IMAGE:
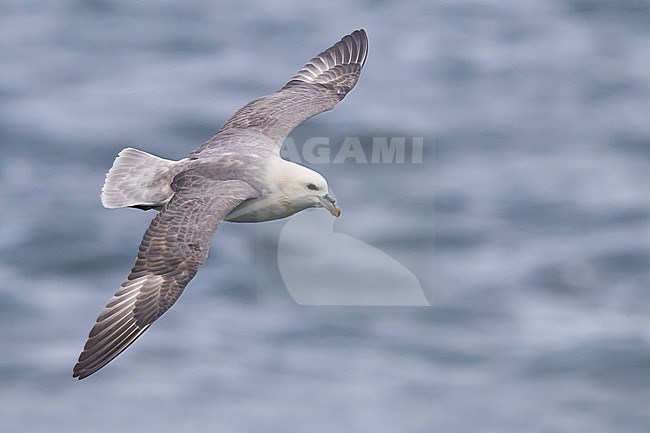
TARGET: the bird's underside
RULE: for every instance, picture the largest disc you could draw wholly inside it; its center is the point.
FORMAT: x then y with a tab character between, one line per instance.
195	194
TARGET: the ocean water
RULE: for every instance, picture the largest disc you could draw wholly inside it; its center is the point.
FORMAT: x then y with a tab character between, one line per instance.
526	223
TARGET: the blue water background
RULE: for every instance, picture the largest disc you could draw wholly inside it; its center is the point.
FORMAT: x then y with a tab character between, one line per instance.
527	222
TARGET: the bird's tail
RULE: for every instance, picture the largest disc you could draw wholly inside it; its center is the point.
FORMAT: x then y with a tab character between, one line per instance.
138	179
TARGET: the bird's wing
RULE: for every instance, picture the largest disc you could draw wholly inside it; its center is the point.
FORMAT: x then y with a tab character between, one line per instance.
173	248
317	87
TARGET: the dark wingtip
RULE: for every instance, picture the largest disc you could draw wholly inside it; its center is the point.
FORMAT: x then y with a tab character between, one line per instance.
362	37
79	373
352	49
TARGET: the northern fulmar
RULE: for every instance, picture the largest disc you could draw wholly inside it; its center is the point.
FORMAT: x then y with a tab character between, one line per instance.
237	175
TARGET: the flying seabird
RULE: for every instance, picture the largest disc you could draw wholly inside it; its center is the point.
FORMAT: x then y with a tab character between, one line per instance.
237	175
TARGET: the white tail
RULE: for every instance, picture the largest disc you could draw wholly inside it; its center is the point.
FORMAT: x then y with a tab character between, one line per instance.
138	179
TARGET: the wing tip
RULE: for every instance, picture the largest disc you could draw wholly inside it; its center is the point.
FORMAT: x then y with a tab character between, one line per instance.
80	374
352	49
361	37
90	363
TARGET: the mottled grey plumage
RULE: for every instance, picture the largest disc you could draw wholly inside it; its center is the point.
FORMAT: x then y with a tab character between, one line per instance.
317	87
237	175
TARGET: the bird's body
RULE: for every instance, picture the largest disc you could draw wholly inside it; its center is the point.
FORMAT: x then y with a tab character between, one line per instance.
238	175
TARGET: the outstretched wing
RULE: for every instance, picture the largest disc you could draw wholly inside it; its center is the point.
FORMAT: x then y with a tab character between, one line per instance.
317	87
172	250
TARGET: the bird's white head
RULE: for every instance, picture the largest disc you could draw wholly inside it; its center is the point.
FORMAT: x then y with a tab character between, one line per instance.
303	188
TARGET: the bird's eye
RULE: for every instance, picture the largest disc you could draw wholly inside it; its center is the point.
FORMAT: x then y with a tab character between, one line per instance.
312	187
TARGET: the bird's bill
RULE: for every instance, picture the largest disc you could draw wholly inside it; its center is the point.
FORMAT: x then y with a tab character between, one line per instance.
330	204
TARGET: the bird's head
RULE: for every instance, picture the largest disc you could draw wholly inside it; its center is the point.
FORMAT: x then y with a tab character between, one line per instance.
307	188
